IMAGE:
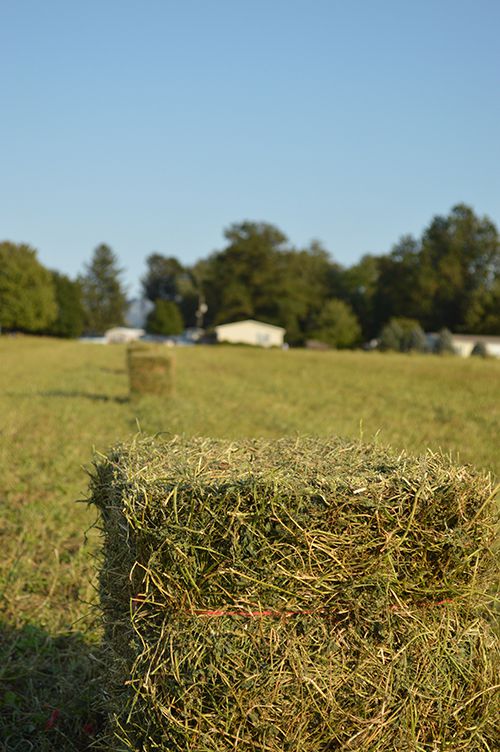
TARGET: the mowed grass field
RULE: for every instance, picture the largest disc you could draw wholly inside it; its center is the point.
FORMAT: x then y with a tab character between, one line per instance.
60	401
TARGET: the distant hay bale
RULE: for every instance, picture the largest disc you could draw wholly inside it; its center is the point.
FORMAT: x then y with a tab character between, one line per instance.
297	595
151	371
138	346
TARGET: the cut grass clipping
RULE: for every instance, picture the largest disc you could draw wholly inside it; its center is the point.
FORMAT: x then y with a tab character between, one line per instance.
151	371
296	595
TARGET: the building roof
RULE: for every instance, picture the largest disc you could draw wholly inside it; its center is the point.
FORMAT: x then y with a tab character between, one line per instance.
124	330
486	338
251	321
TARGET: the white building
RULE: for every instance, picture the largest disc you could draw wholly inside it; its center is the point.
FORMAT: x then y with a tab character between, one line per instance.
120	335
464	344
251	332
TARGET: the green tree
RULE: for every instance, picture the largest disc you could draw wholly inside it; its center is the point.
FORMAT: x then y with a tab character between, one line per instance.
167	279
416	341
240	281
462	253
69	321
444	343
479	350
258	275
307	279
358	286
483	313
391	336
445	279
27	298
403	335
337	325
162	279
165	319
103	294
400	284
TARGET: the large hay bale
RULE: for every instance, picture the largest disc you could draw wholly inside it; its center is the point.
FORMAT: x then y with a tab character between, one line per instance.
296	595
151	371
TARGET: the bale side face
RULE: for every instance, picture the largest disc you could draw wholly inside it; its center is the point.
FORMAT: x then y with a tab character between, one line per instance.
150	372
296	596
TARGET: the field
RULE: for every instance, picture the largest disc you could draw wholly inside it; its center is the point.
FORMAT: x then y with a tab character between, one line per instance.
61	400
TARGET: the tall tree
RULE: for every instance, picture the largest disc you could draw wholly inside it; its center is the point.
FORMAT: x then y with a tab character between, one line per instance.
399	291
167	279
306	280
240	281
165	318
258	275
27	299
162	279
483	313
337	325
69	321
462	253
358	287
103	294
445	279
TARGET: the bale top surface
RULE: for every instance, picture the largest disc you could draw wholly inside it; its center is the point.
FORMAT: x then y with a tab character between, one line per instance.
302	519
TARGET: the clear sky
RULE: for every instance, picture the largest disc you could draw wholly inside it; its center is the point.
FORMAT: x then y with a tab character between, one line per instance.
153	124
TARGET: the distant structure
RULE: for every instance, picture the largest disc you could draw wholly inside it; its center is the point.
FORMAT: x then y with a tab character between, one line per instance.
316	344
137	313
251	332
120	335
465	343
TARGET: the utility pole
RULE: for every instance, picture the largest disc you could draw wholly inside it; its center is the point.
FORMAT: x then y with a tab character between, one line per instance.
202	309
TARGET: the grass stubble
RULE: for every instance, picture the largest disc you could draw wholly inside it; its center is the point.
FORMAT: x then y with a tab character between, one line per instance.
61	400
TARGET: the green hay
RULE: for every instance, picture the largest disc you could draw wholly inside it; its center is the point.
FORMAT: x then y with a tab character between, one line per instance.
139	347
151	371
296	595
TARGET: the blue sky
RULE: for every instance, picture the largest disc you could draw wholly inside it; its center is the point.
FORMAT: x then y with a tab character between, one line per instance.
151	124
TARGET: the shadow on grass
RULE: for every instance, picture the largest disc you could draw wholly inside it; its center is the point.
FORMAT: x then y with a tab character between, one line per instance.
116	371
84	395
72	394
49	689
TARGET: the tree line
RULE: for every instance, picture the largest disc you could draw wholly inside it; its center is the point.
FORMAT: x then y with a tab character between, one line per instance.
449	278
